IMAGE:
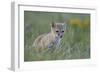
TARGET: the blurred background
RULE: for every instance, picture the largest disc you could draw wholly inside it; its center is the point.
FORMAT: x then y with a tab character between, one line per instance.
75	43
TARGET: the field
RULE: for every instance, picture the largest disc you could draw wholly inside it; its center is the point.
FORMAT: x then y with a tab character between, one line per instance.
74	45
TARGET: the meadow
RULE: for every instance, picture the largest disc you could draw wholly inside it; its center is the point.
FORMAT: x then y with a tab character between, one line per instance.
74	45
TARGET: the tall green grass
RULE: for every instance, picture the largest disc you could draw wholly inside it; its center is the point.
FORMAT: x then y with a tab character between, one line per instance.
74	45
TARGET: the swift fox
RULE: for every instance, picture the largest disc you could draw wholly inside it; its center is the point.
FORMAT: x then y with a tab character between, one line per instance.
53	38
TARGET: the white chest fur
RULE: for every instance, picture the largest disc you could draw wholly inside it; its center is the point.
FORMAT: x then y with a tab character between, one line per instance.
57	41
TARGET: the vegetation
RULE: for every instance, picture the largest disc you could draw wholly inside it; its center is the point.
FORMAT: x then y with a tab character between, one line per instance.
74	45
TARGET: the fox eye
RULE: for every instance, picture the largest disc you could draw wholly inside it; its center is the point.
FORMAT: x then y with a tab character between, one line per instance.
57	31
62	31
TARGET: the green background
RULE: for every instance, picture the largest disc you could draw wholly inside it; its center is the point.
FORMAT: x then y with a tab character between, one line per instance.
75	43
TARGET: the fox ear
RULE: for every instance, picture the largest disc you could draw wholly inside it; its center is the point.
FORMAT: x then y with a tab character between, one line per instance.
53	24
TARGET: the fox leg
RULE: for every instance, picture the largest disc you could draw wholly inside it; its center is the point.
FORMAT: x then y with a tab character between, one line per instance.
58	43
50	45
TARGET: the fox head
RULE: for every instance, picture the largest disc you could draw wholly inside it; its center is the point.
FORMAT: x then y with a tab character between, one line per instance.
58	29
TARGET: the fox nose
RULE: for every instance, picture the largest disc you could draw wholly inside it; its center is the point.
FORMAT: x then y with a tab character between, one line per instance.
61	36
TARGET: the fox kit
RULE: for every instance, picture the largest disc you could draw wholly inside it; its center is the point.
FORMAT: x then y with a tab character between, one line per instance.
52	38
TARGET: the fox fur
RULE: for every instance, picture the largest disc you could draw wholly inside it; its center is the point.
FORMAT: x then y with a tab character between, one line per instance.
53	38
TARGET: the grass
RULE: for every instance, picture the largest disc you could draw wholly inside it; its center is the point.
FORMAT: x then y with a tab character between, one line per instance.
74	45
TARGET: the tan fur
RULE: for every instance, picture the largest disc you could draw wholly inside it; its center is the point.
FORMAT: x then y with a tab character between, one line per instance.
44	40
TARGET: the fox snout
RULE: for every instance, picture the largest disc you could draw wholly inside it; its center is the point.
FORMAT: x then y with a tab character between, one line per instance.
60	33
